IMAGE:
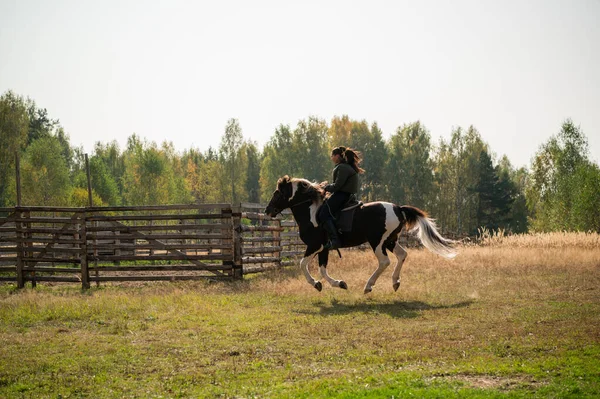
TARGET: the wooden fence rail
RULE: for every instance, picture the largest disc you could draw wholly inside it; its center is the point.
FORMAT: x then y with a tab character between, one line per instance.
172	242
267	243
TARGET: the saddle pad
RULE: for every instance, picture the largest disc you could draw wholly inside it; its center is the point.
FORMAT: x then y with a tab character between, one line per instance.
344	222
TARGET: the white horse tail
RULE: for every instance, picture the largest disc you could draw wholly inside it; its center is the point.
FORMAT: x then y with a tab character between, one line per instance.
417	219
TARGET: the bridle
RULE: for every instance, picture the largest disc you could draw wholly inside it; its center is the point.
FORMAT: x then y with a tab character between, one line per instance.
278	211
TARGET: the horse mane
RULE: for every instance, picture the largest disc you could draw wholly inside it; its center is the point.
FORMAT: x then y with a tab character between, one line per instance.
313	190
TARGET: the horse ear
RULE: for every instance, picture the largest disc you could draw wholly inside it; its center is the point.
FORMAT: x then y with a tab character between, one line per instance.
285	188
284	179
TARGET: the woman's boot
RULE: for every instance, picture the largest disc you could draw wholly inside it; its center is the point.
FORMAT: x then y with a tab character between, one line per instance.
334	239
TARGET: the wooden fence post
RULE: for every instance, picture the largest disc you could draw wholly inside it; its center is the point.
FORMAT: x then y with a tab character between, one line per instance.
277	242
85	275
97	271
29	244
228	218
18	177
89	181
19	225
236	219
20	255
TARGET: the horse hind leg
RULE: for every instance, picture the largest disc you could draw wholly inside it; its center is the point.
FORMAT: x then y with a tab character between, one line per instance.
384	262
333	282
401	256
323	260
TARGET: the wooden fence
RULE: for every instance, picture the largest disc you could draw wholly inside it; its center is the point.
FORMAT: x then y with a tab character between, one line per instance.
267	243
175	242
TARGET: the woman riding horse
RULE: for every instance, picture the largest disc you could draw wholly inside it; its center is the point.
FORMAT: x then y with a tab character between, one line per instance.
377	223
345	184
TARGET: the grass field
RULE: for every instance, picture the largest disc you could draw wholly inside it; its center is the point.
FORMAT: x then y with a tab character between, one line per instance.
513	318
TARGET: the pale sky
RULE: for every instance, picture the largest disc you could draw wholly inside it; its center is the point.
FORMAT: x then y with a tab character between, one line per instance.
178	70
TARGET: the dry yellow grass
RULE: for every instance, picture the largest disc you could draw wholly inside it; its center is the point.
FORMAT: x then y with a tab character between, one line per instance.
500	266
562	239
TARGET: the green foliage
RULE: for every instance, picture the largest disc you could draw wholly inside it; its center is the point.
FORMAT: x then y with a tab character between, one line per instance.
564	193
375	158
301	153
176	171
458	181
495	194
45	177
456	172
409	167
103	183
14	122
252	185
80	198
310	148
586	201
149	177
516	182
204	177
26	127
113	160
40	124
278	160
231	142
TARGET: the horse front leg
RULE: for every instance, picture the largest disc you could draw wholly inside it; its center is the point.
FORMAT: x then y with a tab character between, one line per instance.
323	259
333	282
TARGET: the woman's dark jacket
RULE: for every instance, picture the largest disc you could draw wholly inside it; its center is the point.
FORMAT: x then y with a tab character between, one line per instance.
345	179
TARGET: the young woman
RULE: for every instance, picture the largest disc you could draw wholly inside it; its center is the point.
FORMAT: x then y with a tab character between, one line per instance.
345	184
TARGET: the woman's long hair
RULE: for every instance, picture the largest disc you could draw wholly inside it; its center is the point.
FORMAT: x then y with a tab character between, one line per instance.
350	156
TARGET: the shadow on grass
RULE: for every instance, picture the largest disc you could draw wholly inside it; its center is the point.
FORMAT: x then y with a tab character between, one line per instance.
396	309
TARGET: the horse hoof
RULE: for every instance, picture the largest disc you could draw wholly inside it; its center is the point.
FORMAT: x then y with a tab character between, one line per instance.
368	290
318	286
343	285
396	286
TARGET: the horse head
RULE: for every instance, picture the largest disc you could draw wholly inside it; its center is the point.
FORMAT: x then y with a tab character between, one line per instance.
291	192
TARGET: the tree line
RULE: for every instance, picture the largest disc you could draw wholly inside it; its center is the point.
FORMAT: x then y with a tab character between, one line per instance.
458	181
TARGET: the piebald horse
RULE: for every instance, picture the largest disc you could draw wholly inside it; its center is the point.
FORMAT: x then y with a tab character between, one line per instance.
378	223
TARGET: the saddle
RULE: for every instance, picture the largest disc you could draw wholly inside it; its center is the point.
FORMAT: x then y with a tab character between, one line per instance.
343	219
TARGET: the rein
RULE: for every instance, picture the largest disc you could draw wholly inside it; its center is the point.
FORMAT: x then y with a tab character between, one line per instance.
300	203
278	211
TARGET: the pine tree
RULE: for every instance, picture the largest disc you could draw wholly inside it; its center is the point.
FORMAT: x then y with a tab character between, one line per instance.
495	195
